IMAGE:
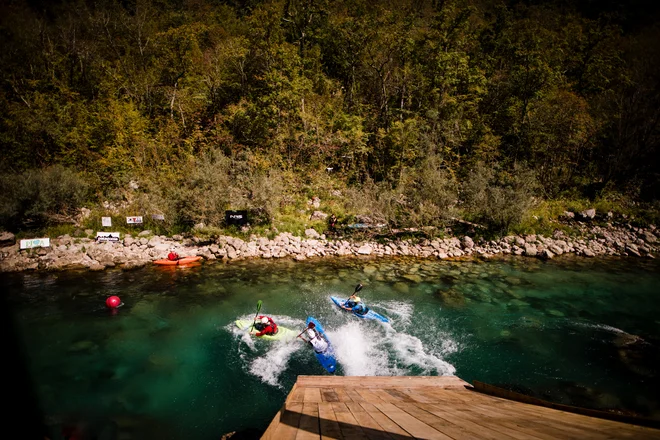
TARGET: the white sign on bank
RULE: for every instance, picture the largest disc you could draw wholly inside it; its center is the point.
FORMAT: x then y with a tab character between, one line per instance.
107	236
134	220
35	243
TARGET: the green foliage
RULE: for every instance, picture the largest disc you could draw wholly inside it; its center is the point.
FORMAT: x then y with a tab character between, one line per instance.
498	198
215	105
40	197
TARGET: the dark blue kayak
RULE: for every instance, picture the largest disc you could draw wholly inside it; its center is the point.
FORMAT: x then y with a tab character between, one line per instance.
327	358
369	315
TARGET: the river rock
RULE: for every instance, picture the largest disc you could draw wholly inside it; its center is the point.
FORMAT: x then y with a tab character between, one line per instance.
546	254
588	214
467	242
311	233
365	250
318	215
530	250
145	233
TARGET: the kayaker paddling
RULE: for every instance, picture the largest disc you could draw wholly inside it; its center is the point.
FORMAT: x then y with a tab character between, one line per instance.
265	325
315	339
354	302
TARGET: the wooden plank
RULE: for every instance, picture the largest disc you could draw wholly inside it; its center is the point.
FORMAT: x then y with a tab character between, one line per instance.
272	427
350	428
369	396
312	395
385	396
389	425
296	394
480	418
329	395
571	422
399	394
342	395
518	397
582	425
369	425
478	430
455	431
287	427
308	428
415	427
462	415
328	422
354	395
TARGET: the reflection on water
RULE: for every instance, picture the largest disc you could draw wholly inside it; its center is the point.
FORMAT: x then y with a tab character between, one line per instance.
171	364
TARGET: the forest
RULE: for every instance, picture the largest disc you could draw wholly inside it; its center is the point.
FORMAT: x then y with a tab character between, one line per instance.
411	113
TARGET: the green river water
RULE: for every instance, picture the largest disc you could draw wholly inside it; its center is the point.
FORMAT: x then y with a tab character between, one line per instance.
171	365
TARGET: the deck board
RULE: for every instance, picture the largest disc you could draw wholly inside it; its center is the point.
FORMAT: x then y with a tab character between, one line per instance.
438	407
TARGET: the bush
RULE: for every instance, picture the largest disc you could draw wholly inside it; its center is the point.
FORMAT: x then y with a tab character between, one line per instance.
498	198
38	198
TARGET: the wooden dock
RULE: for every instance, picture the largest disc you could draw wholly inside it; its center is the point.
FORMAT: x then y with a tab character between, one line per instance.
425	407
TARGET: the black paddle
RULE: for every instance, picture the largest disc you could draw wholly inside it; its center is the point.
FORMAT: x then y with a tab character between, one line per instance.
255	316
357	289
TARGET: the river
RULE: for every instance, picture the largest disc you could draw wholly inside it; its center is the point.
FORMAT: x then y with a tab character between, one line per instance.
170	364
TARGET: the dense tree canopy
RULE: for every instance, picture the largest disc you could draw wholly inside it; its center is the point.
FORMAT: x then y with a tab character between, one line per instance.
379	91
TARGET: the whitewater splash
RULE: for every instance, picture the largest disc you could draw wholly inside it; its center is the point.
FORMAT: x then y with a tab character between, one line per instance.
378	349
362	348
270	365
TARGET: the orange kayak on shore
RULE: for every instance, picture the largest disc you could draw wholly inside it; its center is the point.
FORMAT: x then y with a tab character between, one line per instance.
180	262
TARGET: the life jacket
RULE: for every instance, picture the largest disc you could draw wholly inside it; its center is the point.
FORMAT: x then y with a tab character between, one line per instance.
263	326
172	256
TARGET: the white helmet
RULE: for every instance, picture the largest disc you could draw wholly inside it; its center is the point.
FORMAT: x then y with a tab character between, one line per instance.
264	320
311	333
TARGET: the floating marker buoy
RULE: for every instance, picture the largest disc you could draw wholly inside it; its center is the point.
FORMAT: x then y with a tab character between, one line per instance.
113	302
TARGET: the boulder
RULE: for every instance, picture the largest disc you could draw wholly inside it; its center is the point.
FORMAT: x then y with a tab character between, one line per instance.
588	214
318	215
530	250
311	233
365	250
467	242
546	254
7	239
145	233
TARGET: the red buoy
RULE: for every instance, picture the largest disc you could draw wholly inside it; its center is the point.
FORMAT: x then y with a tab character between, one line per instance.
113	302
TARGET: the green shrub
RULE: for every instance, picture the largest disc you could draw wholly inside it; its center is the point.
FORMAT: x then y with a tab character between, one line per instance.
37	198
499	198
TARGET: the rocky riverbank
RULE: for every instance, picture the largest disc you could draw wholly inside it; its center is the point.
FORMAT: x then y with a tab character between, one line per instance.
130	252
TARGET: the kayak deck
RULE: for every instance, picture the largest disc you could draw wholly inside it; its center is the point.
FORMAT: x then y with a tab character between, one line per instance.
180	262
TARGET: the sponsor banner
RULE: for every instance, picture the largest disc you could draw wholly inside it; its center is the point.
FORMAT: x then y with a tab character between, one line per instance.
236	217
35	243
106	222
134	220
107	236
158	217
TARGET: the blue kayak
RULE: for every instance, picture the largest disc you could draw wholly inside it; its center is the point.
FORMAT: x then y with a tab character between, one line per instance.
369	315
327	358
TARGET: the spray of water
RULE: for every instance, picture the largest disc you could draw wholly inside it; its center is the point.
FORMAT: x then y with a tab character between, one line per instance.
272	357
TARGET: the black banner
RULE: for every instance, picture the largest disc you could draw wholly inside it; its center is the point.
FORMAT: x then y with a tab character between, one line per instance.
238	218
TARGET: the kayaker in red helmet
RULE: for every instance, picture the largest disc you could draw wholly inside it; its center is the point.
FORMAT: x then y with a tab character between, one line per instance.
265	325
173	256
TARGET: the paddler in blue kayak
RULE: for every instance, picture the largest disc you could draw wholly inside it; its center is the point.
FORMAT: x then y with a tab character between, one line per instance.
265	325
354	303
316	340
